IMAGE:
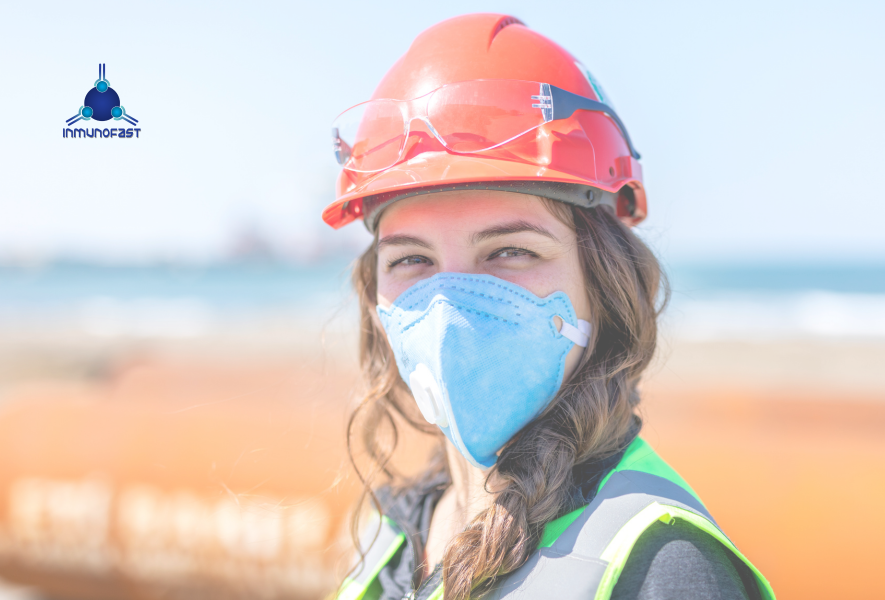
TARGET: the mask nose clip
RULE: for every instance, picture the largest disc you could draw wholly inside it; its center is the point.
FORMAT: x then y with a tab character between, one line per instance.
428	396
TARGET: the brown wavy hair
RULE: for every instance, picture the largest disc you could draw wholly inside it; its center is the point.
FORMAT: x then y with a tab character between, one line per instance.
593	417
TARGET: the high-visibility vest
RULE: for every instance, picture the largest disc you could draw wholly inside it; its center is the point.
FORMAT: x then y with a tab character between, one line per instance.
581	554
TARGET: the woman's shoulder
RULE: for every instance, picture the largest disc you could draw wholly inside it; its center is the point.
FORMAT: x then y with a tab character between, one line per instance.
680	561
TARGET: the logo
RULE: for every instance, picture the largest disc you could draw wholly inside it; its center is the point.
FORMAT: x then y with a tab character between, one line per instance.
102	103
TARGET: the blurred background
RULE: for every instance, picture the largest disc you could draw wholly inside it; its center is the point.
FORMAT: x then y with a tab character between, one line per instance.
178	338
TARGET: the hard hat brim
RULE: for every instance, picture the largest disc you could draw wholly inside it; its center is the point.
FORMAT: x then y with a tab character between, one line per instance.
445	171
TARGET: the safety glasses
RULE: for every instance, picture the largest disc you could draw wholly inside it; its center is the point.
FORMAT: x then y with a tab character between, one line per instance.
466	117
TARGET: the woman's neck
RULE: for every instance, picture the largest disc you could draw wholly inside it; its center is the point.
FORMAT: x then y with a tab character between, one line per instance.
461	502
468	486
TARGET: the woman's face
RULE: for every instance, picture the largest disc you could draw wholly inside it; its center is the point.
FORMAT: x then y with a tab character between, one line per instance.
510	236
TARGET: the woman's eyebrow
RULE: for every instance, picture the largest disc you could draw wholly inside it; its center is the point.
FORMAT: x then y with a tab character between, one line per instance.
403	240
508	228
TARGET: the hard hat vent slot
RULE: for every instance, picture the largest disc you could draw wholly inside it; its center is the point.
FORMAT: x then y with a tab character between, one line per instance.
626	202
501	24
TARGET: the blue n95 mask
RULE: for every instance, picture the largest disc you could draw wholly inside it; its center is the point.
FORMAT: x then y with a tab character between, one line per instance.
482	356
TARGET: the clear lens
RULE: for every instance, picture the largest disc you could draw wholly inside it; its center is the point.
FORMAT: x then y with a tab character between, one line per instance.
478	115
370	136
471	116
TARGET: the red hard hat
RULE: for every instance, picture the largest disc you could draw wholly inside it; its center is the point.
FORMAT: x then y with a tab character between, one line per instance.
583	160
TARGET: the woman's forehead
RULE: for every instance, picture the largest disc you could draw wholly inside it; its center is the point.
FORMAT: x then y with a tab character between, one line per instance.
462	211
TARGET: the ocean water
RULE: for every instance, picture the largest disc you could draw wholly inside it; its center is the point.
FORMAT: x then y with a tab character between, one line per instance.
732	301
169	300
753	301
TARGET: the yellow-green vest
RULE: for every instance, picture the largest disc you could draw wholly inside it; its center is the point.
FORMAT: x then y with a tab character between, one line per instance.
581	554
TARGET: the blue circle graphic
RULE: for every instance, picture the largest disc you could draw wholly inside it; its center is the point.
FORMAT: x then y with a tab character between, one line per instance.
86	112
116	112
102	86
102	104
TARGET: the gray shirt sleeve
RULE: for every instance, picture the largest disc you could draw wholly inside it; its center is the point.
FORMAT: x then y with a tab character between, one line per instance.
681	562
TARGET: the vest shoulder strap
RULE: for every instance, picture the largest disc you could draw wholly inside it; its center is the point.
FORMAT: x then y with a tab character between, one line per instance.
380	540
586	560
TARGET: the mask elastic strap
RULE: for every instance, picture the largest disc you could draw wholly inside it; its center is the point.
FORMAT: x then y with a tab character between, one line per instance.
580	335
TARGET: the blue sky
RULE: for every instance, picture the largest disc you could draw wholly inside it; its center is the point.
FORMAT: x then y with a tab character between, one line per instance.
760	123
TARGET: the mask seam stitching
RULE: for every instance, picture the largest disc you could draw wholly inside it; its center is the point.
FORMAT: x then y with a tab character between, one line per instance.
473	279
540	303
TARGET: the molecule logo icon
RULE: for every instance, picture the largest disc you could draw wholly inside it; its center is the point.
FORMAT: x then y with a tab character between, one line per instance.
102	103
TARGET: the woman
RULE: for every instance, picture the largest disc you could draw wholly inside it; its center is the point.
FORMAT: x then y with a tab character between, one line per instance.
508	309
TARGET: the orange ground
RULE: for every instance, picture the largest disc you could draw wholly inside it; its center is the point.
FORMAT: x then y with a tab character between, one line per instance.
795	481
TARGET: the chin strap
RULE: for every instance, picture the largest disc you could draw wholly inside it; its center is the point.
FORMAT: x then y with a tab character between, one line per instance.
580	335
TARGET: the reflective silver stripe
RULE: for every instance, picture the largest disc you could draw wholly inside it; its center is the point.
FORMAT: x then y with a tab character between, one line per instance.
572	567
624	495
376	548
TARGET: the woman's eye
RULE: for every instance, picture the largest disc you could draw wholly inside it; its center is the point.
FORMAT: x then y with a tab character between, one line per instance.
512	253
408	261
